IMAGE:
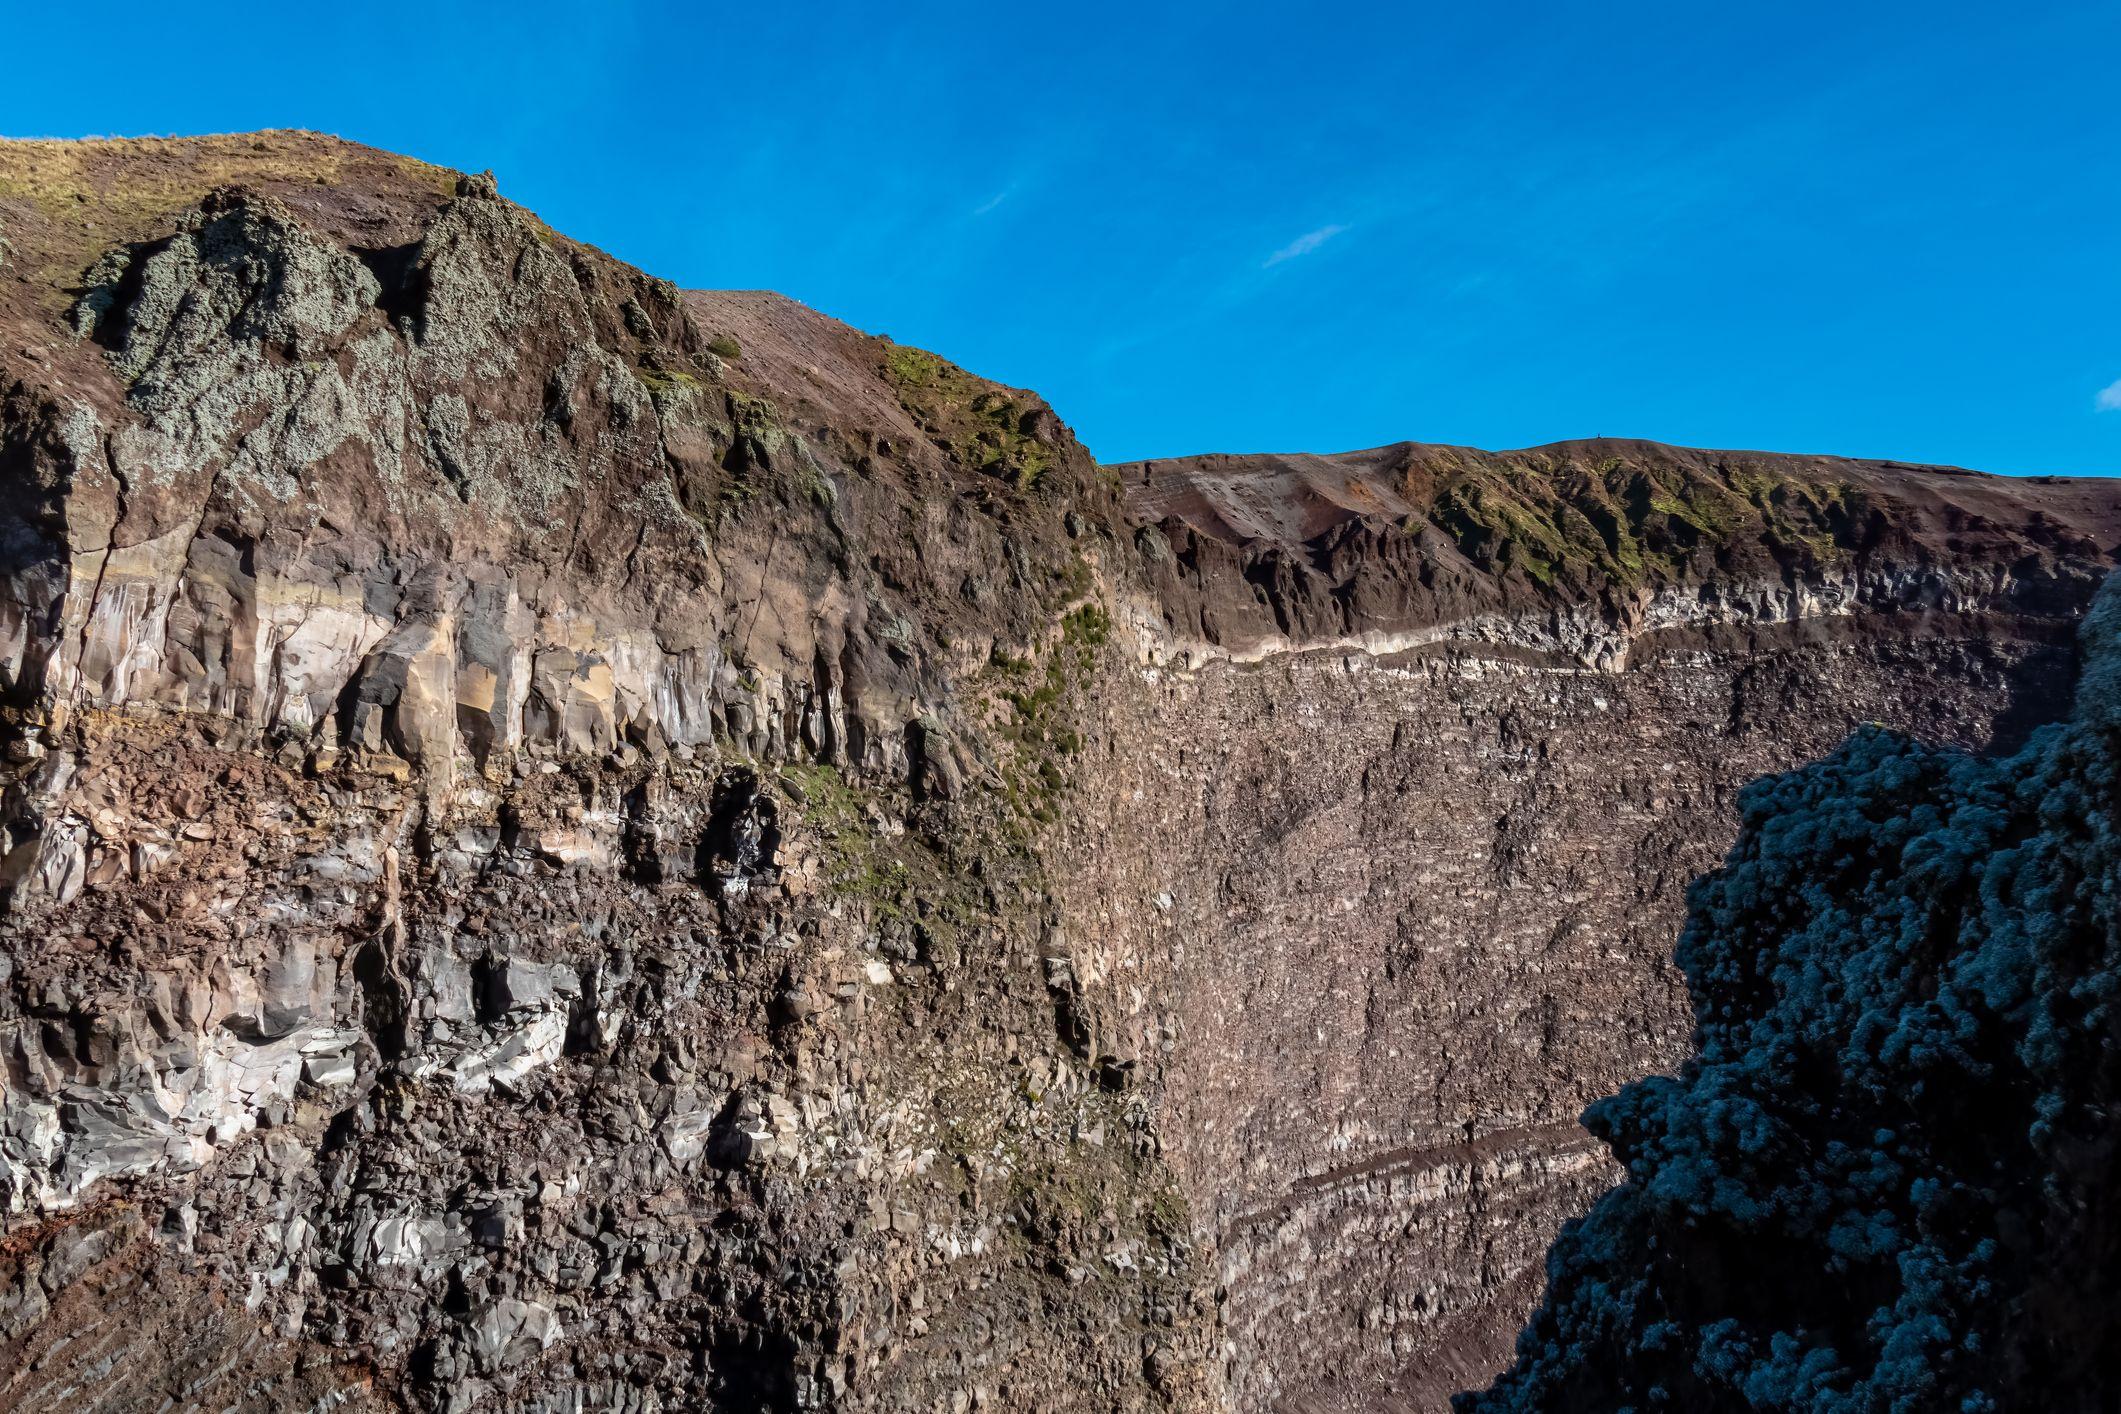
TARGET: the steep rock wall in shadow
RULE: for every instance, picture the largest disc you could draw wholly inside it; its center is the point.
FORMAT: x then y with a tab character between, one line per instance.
1882	1179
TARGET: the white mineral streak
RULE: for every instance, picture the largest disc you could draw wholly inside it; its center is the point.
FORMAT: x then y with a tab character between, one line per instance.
1591	638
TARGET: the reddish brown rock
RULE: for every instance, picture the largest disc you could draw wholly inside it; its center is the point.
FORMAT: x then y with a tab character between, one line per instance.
571	845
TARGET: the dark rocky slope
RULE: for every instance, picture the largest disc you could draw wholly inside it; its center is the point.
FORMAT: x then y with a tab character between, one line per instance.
1883	1181
572	845
1604	543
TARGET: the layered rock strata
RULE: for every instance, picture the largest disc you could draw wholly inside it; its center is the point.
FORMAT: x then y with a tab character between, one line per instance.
1879	1182
574	845
1414	892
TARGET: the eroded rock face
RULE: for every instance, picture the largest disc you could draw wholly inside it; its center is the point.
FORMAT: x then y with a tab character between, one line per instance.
1879	1182
1389	926
493	900
1420	903
574	846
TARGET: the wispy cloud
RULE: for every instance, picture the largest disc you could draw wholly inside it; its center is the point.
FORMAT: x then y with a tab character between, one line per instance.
1303	245
2109	398
993	201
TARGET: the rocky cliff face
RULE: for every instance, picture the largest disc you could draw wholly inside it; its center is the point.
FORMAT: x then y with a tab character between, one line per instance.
572	845
1881	1181
1425	878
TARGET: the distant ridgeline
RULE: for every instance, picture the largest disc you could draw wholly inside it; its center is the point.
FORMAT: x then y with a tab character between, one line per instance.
1887	1181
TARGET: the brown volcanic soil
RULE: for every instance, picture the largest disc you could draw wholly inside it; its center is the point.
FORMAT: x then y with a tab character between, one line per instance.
1294	500
63	203
805	360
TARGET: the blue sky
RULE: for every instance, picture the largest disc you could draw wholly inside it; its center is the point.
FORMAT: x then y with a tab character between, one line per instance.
1883	230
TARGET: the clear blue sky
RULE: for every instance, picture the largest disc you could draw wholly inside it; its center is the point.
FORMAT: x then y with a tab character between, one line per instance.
1885	230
